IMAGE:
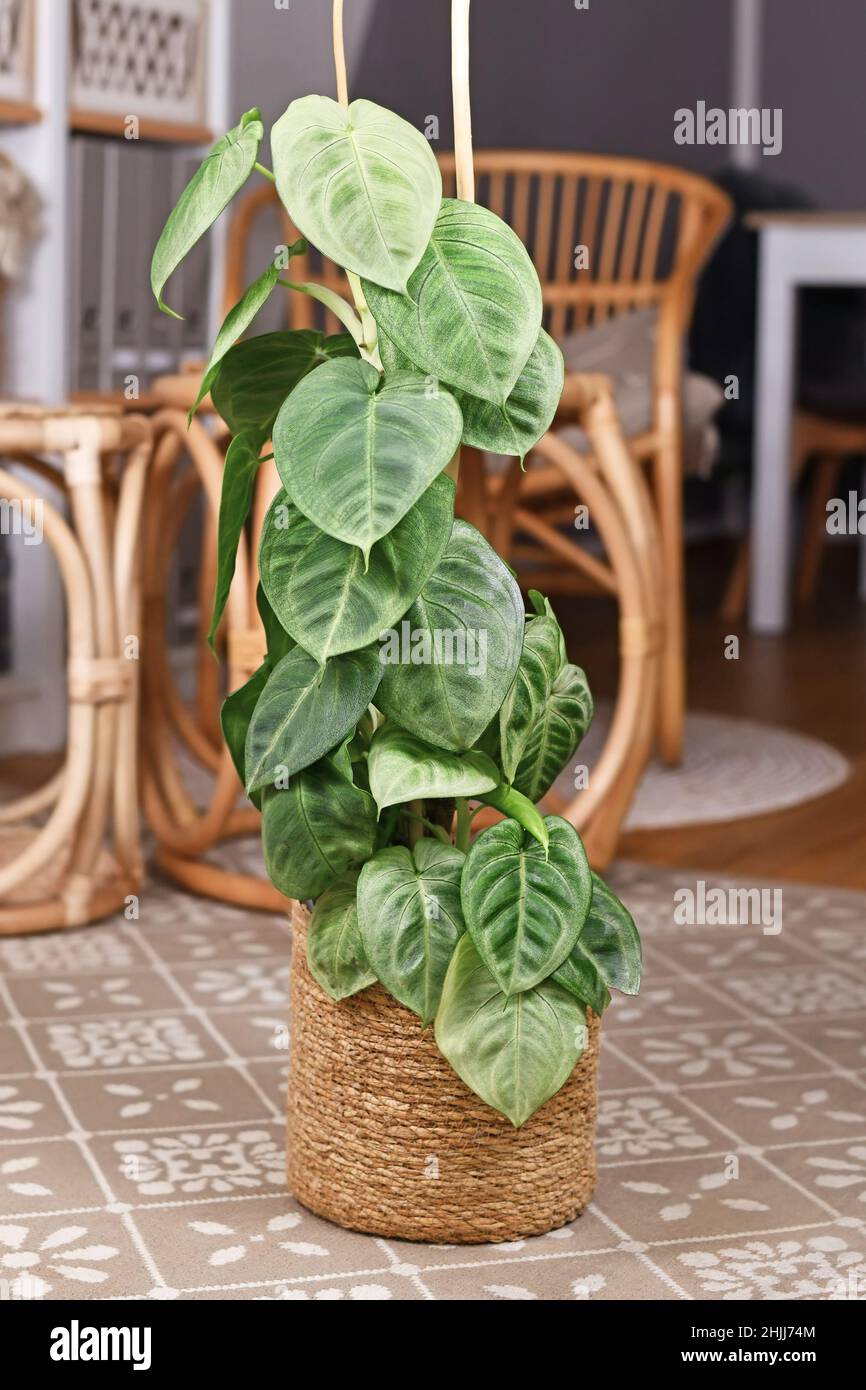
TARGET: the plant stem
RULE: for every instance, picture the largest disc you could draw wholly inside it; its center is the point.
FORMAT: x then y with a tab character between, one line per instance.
416	811
267	173
386	826
339	307
438	830
369	340
464	821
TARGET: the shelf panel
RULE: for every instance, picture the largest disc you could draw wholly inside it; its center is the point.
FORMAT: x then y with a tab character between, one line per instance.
19	113
168	132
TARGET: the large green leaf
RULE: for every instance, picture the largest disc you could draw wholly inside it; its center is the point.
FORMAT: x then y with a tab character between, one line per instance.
356	450
239	476
403	768
411	920
516	1052
563	722
316	829
235	715
238	320
360	182
607	953
516	426
450	666
305	710
318	586
472	311
335	951
527	698
256	375
209	191
525	910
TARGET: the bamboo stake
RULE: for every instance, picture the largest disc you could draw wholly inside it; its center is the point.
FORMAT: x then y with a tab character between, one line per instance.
462	100
340	55
462	105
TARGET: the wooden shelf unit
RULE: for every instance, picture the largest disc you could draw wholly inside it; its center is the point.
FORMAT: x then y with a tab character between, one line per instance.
19	113
37	134
167	132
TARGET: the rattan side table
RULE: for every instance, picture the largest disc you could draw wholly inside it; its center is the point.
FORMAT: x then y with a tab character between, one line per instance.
70	852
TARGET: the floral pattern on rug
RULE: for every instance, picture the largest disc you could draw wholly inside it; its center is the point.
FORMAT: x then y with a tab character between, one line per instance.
142	1119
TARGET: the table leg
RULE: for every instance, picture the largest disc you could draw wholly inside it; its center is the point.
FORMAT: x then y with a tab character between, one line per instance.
771	469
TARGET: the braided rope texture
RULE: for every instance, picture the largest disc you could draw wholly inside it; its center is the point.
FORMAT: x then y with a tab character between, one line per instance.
384	1137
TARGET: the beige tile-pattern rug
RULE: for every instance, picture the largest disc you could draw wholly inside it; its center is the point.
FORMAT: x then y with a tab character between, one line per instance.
142	1072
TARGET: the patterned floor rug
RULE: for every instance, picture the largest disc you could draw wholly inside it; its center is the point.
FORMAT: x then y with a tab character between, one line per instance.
142	1076
731	769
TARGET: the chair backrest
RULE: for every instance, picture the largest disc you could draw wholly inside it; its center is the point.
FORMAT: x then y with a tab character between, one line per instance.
606	234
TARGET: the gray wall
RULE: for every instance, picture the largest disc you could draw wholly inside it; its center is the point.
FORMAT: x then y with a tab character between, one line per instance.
814	54
283	54
546	75
607	79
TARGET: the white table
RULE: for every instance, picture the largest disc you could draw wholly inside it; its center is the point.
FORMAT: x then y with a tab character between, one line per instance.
796	249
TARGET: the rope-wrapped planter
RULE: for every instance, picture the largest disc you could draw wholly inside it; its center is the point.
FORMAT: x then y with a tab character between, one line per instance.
384	1137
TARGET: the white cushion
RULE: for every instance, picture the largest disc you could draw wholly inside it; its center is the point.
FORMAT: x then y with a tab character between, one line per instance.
622	348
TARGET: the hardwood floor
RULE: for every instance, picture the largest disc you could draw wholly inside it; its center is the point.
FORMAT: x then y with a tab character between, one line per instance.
813	680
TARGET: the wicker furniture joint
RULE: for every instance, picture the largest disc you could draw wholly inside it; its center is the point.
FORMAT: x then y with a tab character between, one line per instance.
70	852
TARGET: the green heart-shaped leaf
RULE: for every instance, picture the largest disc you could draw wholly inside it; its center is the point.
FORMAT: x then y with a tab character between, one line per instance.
515	427
355	450
239	475
402	768
411	920
318	586
530	691
255	376
335	951
238	320
316	829
209	191
449	666
607	954
562	724
525	910
235	715
516	1052
305	710
361	183
471	314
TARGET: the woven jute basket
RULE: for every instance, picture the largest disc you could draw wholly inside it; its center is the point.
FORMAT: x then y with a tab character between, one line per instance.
384	1137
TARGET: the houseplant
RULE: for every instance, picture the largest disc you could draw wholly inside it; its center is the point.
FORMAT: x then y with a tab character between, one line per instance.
450	984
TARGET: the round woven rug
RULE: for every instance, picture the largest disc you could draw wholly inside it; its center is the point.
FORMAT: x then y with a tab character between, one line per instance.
731	769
